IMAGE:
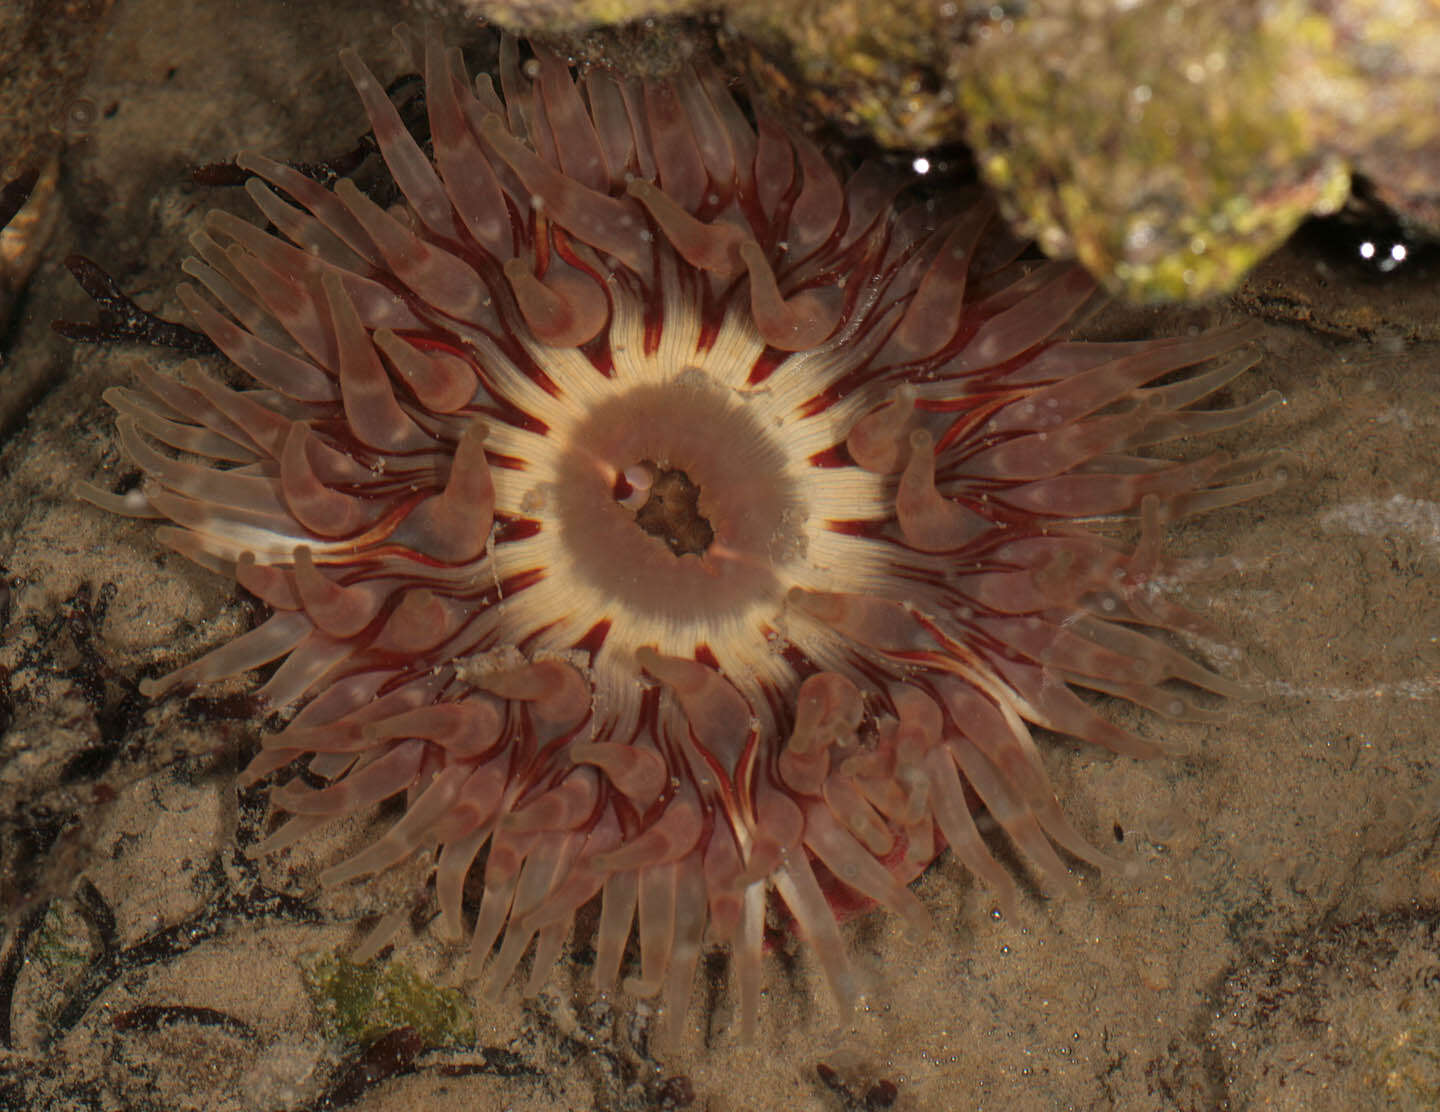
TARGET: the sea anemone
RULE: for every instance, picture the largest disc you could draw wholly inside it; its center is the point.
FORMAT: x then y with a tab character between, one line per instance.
678	524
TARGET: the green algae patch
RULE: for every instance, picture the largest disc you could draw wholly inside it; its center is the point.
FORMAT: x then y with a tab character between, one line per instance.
359	1003
62	943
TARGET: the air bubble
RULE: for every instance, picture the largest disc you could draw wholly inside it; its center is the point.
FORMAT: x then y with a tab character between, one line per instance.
80	118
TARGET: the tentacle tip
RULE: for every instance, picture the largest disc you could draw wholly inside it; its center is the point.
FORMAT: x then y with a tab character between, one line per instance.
409	38
1247	691
1005	908
1060	886
472	970
640	988
133	503
156	688
846	994
336	875
918	923
355	66
1150	749
247	779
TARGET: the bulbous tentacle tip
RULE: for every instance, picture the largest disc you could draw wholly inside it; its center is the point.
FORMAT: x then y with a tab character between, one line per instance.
440	381
1214	482
469	178
801	321
883	624
669	838
282	371
132	503
820	203
578	146
442	279
928	520
268	583
720	718
828	708
422	621
469	728
880	441
774	166
318	508
339	611
565	309
930	320
559	694
371	407
563	807
639	774
454	526
324	205
710	247
156	688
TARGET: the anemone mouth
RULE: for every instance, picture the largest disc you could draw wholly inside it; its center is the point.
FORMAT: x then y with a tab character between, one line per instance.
673	523
710	549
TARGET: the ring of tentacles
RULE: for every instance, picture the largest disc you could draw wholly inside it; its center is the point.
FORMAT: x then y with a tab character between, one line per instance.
681	526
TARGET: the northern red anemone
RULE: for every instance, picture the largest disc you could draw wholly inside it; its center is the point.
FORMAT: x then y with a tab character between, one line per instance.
674	521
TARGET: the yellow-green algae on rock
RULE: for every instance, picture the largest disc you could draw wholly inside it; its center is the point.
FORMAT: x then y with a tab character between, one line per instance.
1152	146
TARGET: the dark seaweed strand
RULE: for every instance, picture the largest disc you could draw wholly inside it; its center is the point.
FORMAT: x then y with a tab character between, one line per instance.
121	320
392	1054
156	1017
10	969
213	921
878	1096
